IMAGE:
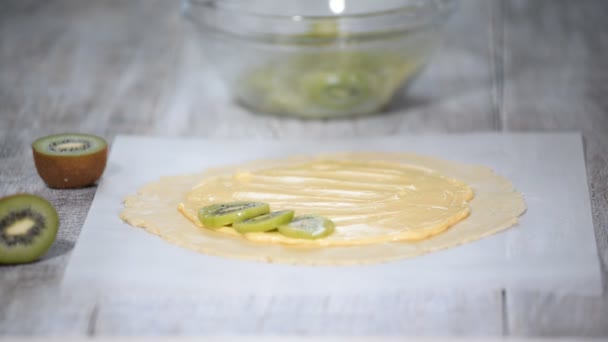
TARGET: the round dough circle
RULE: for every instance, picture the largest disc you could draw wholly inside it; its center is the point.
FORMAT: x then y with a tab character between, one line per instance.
495	207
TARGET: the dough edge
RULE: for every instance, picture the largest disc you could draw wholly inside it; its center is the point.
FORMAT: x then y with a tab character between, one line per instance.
160	199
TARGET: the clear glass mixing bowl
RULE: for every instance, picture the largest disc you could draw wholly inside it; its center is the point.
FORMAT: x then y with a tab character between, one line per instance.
317	58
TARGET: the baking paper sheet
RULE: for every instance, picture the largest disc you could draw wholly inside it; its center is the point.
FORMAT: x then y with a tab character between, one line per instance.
553	247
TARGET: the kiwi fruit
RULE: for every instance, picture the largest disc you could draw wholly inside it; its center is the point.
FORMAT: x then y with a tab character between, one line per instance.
223	214
70	160
338	89
28	226
264	223
308	227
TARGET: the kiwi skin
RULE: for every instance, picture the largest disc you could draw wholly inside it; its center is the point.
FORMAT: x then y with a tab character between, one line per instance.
43	213
70	171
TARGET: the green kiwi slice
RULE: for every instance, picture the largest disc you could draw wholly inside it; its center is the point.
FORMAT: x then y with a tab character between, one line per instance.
264	223
223	214
28	226
70	160
308	227
342	89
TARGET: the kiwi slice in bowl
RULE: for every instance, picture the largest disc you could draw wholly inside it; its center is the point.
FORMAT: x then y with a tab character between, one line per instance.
28	227
70	160
264	223
341	89
223	214
308	227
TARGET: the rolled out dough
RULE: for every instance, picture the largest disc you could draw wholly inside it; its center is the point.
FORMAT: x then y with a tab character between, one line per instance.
495	206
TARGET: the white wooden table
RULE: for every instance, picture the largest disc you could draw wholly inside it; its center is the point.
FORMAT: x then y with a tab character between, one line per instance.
129	67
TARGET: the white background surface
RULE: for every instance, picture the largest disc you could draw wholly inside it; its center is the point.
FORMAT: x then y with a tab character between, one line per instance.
552	248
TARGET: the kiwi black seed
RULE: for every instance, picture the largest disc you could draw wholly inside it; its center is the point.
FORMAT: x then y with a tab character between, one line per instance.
70	160
28	227
223	214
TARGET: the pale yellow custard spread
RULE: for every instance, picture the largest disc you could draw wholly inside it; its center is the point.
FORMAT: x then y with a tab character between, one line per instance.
386	206
370	201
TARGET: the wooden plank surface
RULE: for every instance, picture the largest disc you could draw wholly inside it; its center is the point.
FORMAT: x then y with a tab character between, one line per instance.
270	339
114	67
94	72
560	83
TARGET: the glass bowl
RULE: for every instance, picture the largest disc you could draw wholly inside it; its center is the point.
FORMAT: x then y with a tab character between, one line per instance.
317	58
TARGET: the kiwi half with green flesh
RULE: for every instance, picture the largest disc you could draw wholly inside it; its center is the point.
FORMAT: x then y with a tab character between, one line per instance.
264	223
308	227
70	160
223	214
28	226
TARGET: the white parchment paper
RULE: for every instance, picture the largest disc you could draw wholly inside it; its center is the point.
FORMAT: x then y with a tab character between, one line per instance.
553	247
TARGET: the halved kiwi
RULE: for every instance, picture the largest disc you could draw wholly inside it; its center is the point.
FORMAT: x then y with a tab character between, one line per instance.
308	227
70	160
223	214
28	226
264	223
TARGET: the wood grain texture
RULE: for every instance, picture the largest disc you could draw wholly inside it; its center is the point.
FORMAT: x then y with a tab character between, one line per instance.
560	83
99	68
131	67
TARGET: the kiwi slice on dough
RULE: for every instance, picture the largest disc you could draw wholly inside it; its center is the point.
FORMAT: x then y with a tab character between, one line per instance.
264	223
308	227
70	160
28	226
223	214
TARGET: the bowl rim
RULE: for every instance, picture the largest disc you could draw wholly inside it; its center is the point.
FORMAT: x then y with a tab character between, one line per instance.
434	7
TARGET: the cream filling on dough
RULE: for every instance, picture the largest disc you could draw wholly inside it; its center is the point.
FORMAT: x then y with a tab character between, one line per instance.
371	201
367	194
